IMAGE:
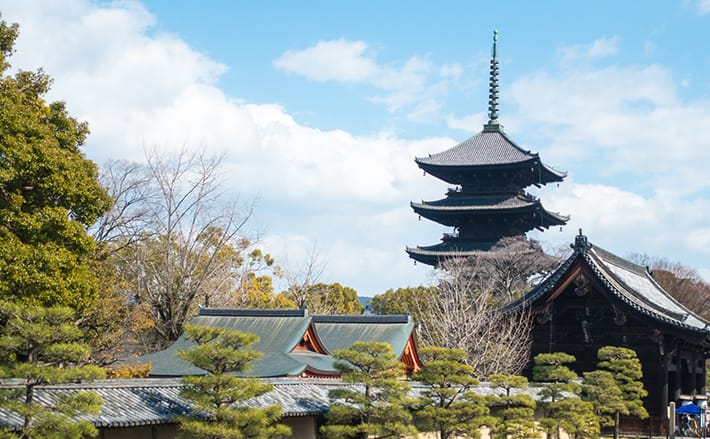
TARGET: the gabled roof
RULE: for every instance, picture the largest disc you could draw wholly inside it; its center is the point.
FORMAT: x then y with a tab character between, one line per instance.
627	282
292	342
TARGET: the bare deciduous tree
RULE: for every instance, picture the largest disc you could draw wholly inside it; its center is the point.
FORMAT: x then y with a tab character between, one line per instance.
301	278
509	268
463	313
180	241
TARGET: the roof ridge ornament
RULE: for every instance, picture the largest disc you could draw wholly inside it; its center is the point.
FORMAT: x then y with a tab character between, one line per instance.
581	243
493	124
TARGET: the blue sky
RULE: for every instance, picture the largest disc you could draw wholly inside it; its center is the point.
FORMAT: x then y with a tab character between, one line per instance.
320	107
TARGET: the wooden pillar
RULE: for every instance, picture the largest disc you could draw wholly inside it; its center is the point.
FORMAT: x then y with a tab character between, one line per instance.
678	372
663	387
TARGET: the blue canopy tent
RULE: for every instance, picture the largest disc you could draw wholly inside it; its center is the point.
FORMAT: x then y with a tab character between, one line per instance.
690	409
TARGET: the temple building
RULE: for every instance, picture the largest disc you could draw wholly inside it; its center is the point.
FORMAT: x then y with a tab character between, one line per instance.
293	343
488	201
597	299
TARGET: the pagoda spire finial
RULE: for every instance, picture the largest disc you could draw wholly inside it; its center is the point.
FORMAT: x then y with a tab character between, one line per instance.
493	123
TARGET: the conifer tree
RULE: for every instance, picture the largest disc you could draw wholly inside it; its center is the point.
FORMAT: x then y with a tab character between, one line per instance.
600	389
516	413
379	408
625	369
40	346
561	410
216	396
449	406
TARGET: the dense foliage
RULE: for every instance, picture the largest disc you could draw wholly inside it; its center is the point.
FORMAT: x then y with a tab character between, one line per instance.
40	345
562	409
216	397
378	407
449	405
49	193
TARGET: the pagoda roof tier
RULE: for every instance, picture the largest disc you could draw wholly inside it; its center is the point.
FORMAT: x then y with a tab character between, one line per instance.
451	210
489	149
450	248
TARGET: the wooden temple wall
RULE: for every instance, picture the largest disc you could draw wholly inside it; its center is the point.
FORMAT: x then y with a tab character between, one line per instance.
581	320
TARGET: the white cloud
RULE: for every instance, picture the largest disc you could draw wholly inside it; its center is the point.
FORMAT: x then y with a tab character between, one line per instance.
337	60
601	48
417	86
138	89
629	119
703	6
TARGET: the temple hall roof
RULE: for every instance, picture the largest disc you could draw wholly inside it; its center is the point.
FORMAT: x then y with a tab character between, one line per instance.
293	343
628	283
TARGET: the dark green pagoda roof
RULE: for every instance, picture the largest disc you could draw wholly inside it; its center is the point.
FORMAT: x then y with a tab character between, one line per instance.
280	335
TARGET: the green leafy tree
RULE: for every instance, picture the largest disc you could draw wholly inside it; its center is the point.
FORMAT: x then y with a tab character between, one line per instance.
322	298
403	301
515	410
216	397
49	192
563	409
625	368
378	408
39	345
449	406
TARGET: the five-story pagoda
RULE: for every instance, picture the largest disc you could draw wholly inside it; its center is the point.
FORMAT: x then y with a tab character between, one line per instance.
488	202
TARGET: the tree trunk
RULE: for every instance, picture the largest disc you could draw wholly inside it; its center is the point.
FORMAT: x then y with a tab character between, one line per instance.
616	425
29	397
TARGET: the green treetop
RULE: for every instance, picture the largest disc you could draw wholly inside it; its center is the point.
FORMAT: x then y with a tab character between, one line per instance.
216	396
40	346
622	396
378	408
515	412
449	406
49	192
562	409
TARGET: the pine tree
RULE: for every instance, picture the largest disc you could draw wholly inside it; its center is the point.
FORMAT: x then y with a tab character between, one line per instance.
624	393
601	390
378	408
551	372
216	396
40	346
449	406
516	413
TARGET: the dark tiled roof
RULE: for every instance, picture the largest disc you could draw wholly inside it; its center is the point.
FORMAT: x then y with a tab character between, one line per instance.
484	148
628	282
478	202
140	402
243	312
635	286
